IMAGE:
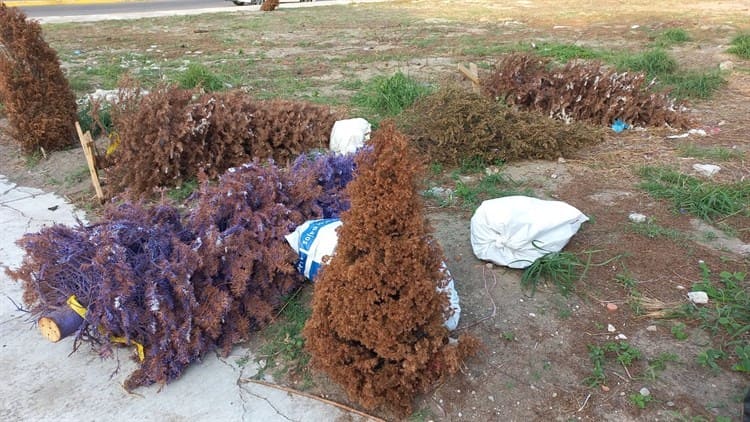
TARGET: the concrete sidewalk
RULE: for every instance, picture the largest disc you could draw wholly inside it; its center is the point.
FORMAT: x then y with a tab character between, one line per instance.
43	381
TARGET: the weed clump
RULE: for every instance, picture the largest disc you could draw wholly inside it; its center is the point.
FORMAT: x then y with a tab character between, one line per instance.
37	99
167	137
583	92
389	96
453	126
377	320
740	46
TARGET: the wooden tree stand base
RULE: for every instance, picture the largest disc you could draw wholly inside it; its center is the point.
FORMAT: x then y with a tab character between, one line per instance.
59	324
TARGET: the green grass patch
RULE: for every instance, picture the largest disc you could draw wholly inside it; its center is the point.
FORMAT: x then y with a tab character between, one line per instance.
389	96
652	230
490	187
709	153
694	84
78	176
283	351
671	37
726	317
654	62
740	46
199	76
183	192
659	364
562	269
622	352
704	199
566	52
639	400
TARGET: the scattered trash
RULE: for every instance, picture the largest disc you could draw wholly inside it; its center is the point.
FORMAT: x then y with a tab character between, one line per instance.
621	337
314	240
651	328
440	192
637	217
726	65
611	328
707	170
699	132
699	298
517	230
349	135
619	125
644	392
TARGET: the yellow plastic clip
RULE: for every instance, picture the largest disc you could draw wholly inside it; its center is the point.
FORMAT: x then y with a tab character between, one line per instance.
76	306
138	346
81	310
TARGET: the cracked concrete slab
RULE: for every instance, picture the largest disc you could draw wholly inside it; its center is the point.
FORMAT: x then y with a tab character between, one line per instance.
45	381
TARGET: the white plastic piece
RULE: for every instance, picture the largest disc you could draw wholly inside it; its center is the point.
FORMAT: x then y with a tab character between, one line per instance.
517	230
347	136
315	239
699	298
637	217
707	170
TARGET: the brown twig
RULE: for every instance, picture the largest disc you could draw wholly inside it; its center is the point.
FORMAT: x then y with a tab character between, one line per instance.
310	396
494	305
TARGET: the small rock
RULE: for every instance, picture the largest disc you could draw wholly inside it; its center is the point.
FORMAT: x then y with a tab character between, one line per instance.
611	307
554	176
726	65
610	328
554	395
670	404
636	217
561	160
620	337
531	314
490	398
707	170
489	171
605	388
467	179
699	298
680	287
489	265
651	328
644	392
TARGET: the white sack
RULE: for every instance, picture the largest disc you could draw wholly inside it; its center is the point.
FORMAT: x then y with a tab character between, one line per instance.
349	135
315	239
516	230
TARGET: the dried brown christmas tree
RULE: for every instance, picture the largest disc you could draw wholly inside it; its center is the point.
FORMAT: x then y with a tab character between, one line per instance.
377	321
40	106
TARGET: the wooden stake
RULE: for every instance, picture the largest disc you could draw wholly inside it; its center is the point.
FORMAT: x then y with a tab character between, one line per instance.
472	73
88	150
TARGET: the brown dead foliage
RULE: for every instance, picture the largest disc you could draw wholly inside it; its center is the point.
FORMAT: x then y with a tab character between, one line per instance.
269	5
377	320
583	92
167	137
40	105
454	125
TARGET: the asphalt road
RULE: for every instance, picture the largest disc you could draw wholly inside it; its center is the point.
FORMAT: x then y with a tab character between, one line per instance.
123	7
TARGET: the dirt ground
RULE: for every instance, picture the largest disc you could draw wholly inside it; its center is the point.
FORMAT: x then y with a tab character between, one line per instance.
535	354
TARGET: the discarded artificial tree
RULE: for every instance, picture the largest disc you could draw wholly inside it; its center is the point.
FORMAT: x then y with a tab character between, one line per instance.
38	101
377	320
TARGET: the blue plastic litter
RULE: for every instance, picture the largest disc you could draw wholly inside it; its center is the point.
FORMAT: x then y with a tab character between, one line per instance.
619	125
